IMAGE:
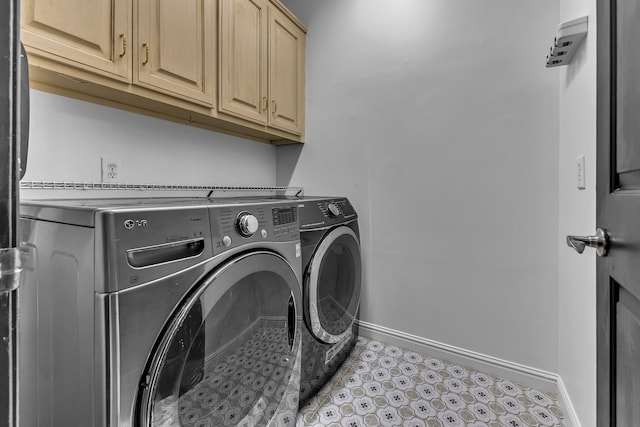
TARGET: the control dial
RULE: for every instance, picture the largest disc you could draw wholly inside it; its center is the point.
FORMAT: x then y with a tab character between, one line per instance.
333	210
247	224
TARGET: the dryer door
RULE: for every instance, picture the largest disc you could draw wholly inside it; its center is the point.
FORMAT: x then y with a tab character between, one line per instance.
230	354
332	285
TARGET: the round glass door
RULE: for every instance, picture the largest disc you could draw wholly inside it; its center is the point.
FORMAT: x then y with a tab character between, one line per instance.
228	355
333	285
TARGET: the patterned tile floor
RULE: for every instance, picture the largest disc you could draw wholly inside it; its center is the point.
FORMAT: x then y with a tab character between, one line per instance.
383	385
241	387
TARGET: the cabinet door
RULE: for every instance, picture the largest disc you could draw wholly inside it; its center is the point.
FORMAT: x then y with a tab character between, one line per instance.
286	73
243	59
176	48
90	34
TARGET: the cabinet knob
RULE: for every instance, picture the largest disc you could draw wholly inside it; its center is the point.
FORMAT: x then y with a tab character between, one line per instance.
146	53
266	103
275	106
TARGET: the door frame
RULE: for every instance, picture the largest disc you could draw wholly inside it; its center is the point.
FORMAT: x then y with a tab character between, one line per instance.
9	202
604	181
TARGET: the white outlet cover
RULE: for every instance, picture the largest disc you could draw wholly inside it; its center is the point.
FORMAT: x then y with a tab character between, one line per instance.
111	169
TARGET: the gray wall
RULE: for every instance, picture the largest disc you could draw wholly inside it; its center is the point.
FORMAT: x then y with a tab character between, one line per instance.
577	280
440	122
69	137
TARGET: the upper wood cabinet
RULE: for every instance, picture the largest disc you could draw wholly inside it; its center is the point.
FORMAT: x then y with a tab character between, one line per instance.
286	73
243	59
93	34
176	48
235	66
262	57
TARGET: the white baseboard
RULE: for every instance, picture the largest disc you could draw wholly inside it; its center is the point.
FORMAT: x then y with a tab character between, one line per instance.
525	375
568	408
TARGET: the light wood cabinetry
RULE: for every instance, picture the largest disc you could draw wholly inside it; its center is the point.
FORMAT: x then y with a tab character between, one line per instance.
176	48
261	65
235	66
243	59
286	73
90	34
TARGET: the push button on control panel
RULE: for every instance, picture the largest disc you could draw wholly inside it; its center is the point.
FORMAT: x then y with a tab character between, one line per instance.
226	241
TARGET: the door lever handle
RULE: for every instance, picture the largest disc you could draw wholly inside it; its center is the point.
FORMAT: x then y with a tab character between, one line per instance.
600	242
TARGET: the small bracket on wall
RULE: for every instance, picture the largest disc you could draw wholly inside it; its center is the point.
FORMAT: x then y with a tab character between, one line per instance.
568	38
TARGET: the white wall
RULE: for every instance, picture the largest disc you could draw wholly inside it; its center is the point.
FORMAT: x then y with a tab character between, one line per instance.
68	138
440	122
577	283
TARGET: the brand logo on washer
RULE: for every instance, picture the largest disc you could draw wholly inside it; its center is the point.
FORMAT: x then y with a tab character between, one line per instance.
130	223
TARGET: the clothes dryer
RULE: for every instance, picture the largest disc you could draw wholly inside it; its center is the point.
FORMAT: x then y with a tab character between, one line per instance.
160	313
332	268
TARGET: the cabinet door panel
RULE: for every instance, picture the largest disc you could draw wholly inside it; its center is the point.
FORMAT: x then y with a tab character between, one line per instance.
176	48
243	65
92	33
286	74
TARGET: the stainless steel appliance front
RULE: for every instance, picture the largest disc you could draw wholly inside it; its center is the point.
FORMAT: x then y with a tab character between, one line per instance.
332	268
160	313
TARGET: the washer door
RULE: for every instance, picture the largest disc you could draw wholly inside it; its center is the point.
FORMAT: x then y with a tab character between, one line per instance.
333	285
228	355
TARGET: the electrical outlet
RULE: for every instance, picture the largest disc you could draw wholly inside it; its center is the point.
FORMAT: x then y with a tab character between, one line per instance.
111	170
580	172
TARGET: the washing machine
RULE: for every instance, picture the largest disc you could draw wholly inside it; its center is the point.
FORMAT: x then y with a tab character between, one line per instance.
160	313
332	269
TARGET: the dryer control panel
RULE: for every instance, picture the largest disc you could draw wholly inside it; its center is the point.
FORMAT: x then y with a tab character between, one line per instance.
232	226
319	213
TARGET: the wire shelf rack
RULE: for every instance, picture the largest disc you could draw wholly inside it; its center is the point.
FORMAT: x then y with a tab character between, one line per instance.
210	189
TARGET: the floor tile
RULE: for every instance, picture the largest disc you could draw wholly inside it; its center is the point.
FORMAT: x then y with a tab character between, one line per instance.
384	385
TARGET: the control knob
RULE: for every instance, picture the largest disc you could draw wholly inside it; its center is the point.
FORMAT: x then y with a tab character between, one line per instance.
333	210
247	224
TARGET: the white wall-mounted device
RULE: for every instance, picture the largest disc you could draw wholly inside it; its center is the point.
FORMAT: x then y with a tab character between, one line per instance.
568	38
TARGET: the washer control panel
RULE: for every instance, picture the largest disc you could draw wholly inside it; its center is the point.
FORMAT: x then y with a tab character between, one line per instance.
232	226
247	224
285	220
